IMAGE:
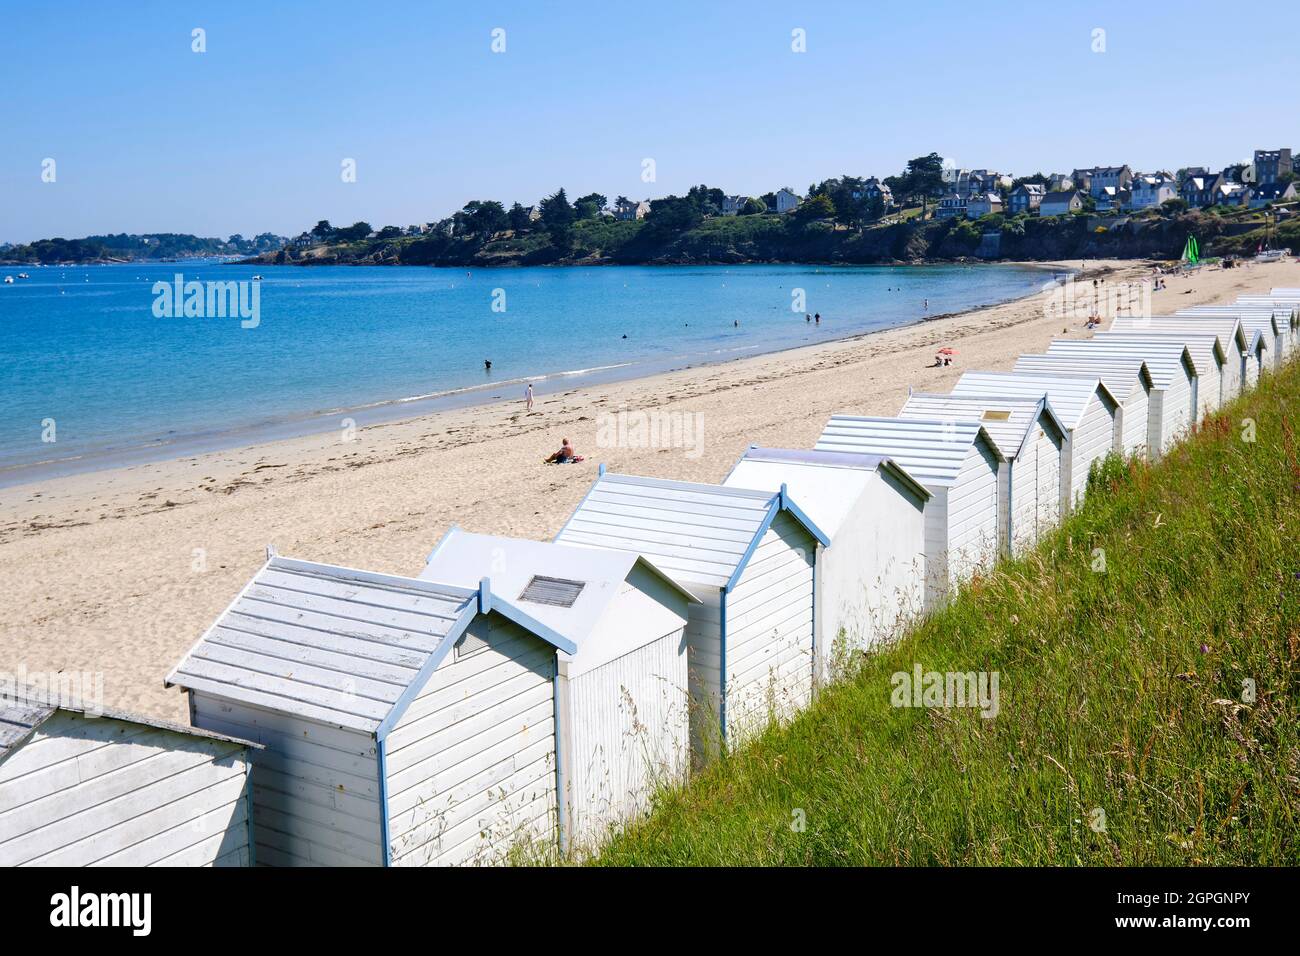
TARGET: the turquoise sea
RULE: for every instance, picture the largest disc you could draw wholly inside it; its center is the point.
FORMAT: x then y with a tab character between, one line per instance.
84	359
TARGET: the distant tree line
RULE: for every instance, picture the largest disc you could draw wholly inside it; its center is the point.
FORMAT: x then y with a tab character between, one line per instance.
131	247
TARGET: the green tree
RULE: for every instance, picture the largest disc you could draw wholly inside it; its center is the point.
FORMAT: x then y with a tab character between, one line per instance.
753	207
484	218
354	233
1034	179
923	178
556	210
707	199
589	206
672	215
323	230
518	216
814	208
557	217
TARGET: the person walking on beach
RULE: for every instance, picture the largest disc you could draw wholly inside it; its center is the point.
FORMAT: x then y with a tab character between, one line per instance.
528	397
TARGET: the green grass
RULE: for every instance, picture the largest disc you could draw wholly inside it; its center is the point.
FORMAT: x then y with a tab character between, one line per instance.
1120	691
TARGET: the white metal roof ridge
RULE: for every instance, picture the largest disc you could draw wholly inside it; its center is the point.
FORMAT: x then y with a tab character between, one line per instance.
1104	367
321	641
1161	357
817	458
932	450
1024	405
1069	395
700	533
1198	343
464	554
23	710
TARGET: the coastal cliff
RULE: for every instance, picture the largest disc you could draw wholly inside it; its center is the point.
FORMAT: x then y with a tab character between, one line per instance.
773	238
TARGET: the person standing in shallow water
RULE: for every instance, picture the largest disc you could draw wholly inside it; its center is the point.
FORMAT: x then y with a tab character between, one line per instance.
487	365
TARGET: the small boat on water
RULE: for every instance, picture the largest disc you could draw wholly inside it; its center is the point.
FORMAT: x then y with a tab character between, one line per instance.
257	278
23	275
9	280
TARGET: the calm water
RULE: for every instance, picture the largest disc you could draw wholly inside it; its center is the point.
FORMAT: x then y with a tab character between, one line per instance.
82	346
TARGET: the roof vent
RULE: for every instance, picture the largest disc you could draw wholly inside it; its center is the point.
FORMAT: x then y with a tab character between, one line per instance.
557	592
993	415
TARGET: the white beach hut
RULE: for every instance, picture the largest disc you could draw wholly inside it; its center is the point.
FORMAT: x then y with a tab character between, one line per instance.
1275	324
93	787
1229	335
1258	357
1128	380
624	697
870	578
1031	439
750	557
1259	332
1214	368
1092	417
403	722
959	464
1289	304
1173	377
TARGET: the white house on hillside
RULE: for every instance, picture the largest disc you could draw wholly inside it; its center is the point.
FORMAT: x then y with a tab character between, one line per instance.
951	206
1149	191
629	210
1026	198
733	205
983	204
1059	204
787	201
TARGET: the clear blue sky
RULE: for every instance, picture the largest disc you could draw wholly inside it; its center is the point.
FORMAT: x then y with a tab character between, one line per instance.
249	136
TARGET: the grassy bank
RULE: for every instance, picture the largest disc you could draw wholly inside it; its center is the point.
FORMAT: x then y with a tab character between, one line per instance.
1121	691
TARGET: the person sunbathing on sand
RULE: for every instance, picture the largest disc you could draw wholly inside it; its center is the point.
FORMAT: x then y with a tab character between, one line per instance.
565	455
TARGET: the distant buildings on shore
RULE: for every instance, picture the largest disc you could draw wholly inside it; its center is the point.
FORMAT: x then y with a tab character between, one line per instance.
958	193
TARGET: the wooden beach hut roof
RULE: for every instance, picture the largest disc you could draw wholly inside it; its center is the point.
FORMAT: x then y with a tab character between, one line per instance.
1274	321
1120	374
567	588
1227	329
344	647
696	532
1008	419
23	710
1162	357
932	451
1203	346
1069	397
827	482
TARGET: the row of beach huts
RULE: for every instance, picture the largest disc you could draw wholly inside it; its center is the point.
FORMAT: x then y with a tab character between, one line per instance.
517	696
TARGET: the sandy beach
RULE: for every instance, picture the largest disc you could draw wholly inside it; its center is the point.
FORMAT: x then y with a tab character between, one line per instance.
120	571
